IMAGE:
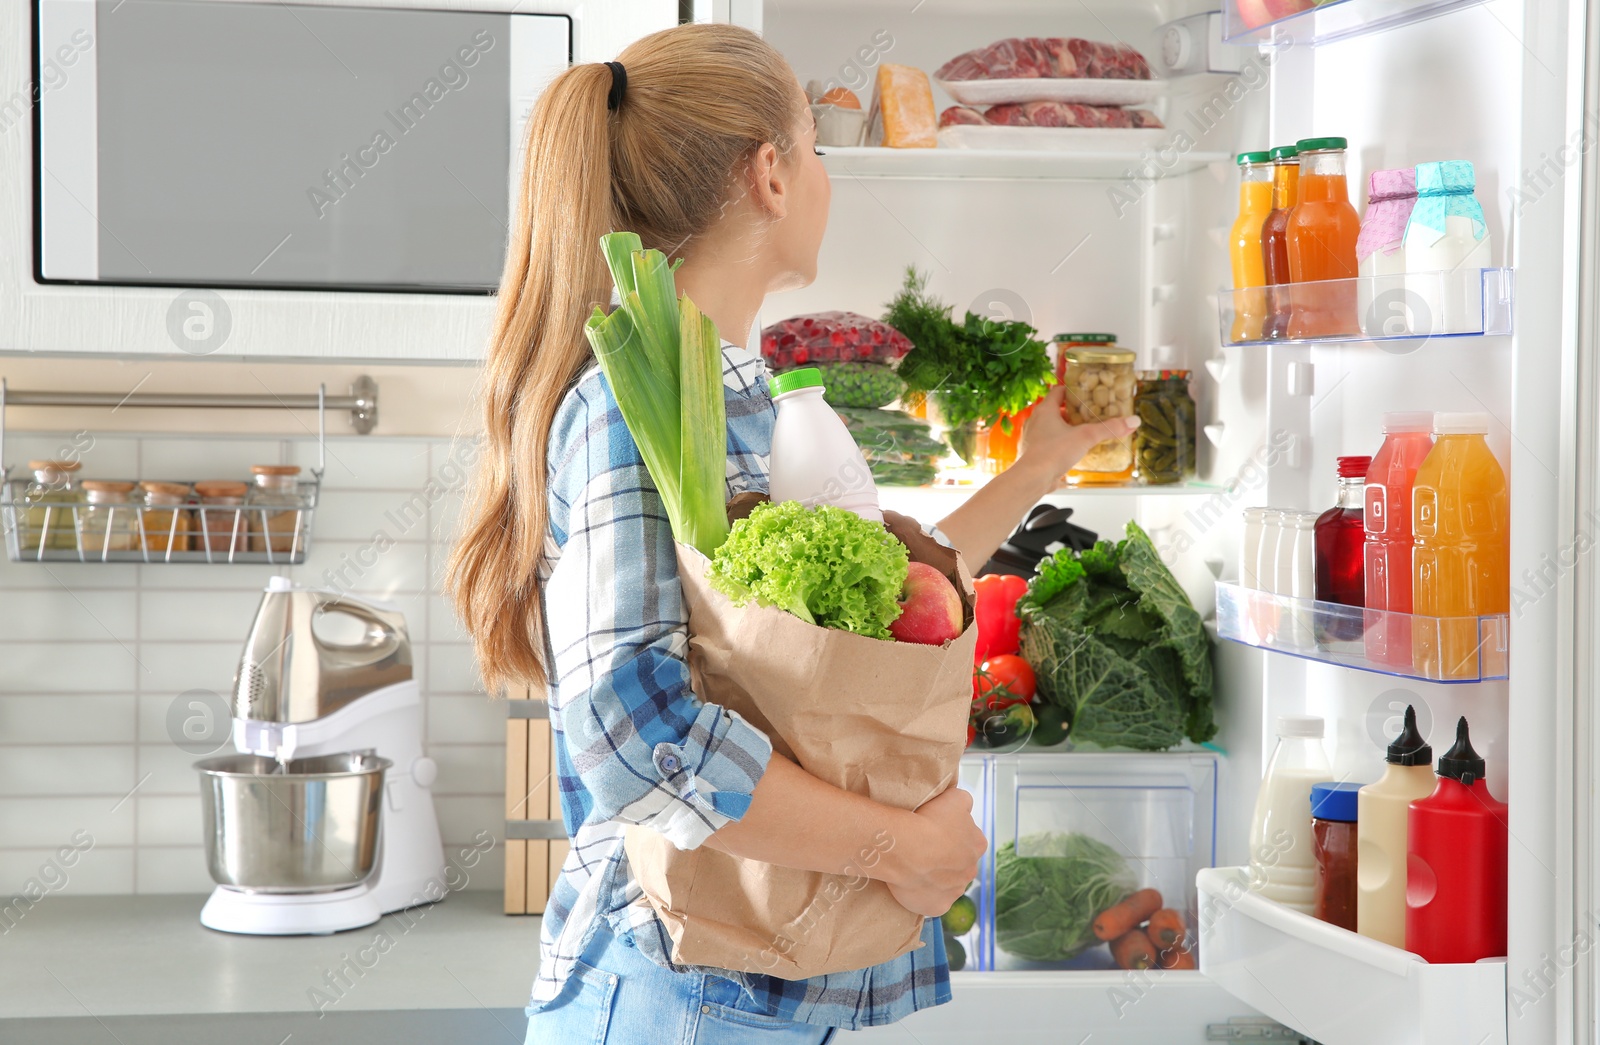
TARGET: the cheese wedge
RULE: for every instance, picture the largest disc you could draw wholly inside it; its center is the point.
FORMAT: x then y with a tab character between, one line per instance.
902	114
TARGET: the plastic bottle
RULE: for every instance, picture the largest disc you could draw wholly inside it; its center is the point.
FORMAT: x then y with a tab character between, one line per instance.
1282	864
1446	246
1322	233
814	459
1275	240
1386	553
1250	553
1380	298
1333	843
1297	578
1244	245
1456	866
1382	809
1461	555
1339	569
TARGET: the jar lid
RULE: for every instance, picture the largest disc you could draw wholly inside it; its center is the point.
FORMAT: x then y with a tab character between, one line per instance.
794	380
1101	355
1306	145
221	488
1085	339
107	486
165	489
1308	726
275	469
1161	375
1284	152
54	466
1334	801
1253	157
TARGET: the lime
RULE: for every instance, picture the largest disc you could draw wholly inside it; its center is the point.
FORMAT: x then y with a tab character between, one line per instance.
961	916
955	954
1051	726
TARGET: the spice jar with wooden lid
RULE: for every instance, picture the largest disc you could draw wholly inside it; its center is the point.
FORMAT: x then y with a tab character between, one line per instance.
166	524
221	524
108	522
275	486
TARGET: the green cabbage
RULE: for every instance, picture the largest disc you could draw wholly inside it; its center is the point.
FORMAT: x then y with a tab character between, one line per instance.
1045	903
1117	645
825	565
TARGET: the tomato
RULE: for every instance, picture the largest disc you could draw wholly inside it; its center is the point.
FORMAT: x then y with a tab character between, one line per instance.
1004	680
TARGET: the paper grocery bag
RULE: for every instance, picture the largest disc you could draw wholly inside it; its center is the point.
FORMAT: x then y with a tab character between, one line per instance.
884	719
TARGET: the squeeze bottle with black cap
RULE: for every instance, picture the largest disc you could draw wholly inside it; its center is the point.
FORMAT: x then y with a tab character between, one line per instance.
1456	870
1381	812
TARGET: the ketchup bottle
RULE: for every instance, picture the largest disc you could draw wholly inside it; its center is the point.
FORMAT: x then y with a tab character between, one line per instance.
1456	867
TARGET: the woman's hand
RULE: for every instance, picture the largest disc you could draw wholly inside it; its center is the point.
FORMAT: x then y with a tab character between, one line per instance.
1052	446
938	857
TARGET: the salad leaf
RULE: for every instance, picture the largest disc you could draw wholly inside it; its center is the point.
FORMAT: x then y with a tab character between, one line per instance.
825	565
1117	645
1046	901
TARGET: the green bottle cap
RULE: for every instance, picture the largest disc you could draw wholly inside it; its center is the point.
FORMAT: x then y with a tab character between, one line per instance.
1253	157
793	380
1321	144
1284	152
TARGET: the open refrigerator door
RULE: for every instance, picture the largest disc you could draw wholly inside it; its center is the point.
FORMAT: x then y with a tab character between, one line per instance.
1129	233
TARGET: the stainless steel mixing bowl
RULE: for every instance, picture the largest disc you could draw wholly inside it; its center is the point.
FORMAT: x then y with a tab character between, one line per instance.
308	826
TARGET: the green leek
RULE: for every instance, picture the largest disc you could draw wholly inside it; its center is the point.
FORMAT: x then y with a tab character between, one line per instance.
663	359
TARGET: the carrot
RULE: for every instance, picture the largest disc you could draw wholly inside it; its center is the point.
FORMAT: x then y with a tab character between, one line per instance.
1179	957
1167	928
1128	915
1133	950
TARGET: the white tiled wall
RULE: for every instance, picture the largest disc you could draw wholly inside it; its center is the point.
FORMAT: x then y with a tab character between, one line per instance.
92	657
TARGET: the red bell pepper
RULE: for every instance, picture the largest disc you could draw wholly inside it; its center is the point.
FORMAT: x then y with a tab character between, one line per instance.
996	613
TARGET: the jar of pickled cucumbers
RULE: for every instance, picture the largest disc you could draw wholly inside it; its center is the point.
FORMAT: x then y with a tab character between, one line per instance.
1100	384
1164	443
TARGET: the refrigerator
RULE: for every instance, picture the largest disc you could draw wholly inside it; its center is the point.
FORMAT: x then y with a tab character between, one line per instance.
1129	236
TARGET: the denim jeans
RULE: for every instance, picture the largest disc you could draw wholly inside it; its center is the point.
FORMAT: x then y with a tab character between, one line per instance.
617	996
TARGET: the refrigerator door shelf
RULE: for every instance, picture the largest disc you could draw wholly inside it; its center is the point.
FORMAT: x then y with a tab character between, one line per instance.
1335	986
1429	649
1327	22
1411	306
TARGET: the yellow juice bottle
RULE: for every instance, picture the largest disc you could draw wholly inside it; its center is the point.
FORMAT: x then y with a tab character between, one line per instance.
1461	568
1244	245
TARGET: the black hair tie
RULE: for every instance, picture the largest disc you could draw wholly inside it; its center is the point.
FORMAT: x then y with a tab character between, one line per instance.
619	83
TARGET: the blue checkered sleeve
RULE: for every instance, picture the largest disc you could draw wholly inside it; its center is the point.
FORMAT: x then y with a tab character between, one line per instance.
638	746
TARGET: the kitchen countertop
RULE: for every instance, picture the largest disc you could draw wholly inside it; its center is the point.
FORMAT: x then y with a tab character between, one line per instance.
101	956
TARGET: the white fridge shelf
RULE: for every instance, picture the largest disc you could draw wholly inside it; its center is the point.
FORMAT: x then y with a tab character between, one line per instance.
1330	22
1405	645
1114	162
1335	986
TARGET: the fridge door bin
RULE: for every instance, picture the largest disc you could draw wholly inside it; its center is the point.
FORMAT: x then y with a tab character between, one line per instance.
1335	986
1411	306
1431	649
1302	24
1147	820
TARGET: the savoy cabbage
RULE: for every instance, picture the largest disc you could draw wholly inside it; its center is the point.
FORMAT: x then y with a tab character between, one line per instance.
1118	646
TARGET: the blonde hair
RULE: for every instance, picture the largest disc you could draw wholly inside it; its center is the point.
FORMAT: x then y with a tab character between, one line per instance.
700	99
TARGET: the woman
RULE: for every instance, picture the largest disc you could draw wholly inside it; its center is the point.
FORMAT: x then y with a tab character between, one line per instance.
700	140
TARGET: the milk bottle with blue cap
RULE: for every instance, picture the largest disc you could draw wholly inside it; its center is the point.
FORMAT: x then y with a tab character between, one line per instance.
1446	245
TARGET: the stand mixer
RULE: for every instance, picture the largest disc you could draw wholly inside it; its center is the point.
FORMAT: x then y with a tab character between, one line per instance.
324	819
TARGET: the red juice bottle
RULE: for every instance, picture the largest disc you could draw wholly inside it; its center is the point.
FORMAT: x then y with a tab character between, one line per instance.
1275	240
1338	537
1456	864
1407	438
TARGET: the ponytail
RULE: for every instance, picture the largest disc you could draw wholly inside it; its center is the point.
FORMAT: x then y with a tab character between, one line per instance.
698	100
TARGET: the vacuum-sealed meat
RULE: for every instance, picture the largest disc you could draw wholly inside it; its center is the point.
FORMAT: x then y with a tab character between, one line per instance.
1065	114
1054	57
958	115
831	337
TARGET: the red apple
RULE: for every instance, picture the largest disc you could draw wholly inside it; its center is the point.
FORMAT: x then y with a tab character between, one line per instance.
930	609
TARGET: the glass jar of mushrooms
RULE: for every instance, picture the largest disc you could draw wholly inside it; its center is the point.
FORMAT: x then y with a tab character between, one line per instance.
1100	384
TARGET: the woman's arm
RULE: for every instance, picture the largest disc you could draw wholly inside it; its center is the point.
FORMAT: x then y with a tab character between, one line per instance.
927	857
1049	448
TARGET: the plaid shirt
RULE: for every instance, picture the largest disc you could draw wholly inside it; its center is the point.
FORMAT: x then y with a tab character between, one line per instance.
633	745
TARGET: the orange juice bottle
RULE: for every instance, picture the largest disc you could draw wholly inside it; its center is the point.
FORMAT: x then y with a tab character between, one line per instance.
1461	564
1275	240
1323	229
1244	246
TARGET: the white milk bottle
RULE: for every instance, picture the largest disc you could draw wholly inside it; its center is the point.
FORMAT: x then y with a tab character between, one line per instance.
1380	259
1282	865
1446	246
814	458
